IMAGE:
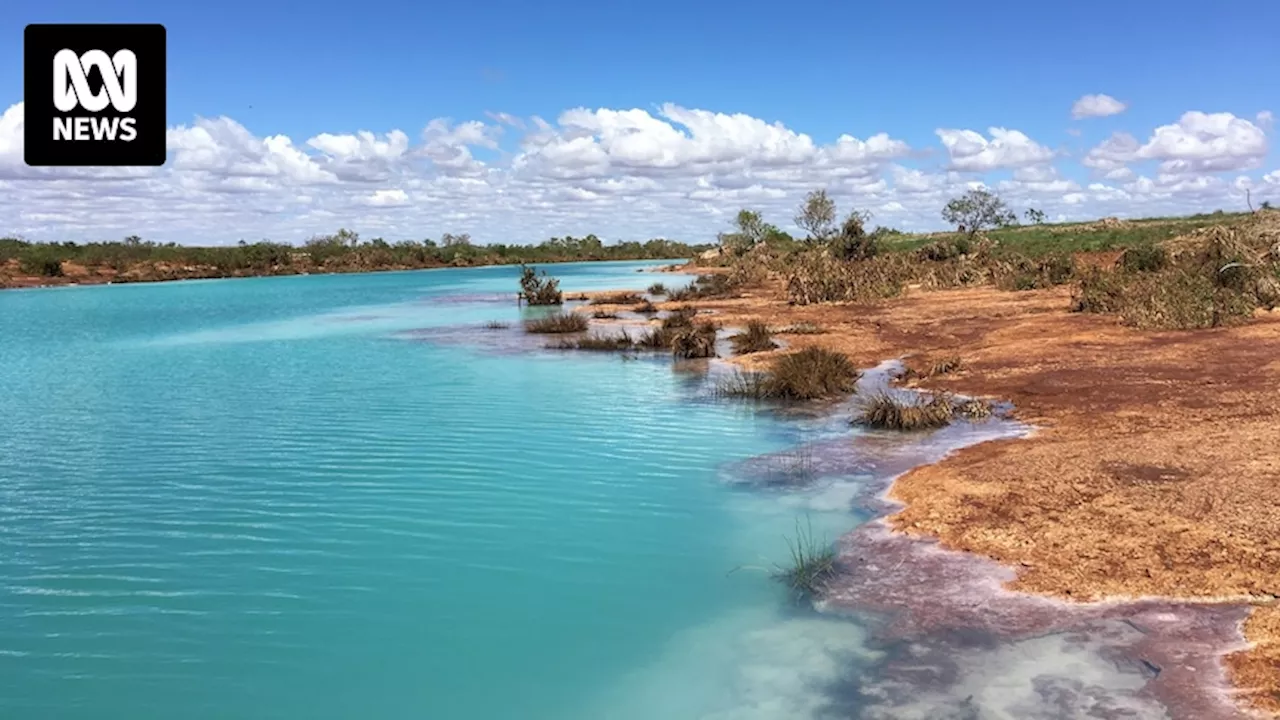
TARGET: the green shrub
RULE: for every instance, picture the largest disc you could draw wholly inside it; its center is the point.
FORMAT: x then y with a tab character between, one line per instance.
539	288
853	243
557	323
1144	258
756	338
945	249
39	261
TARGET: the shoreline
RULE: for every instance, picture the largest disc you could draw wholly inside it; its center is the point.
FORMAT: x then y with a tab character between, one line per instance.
81	276
1142	486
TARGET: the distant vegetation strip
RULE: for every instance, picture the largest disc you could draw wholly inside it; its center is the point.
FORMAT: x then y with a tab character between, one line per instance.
138	260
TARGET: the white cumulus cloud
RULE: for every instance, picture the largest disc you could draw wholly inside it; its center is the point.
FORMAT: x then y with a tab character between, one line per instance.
1091	106
669	171
971	152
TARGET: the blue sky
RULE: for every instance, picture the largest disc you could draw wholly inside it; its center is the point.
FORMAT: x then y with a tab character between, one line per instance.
819	69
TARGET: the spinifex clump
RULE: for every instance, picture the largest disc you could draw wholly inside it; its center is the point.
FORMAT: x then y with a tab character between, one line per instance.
809	374
756	338
887	411
569	322
697	341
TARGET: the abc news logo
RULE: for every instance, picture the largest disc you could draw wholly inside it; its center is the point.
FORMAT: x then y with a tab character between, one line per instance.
94	95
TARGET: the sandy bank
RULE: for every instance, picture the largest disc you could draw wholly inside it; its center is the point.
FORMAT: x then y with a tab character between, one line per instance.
1155	471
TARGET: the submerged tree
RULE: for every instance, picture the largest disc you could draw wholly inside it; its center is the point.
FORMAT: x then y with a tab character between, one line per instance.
977	210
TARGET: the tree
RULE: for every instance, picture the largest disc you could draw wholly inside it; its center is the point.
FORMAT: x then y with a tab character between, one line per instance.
853	242
817	216
1035	216
749	230
976	210
750	225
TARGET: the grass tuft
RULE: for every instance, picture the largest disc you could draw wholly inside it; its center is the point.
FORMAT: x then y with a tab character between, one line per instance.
645	308
803	328
558	323
886	411
695	341
621	298
809	374
657	289
946	365
601	342
813	373
603	315
813	564
496	325
681	317
974	409
756	338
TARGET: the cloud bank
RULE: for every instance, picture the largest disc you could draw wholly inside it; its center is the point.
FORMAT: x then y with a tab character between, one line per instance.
670	171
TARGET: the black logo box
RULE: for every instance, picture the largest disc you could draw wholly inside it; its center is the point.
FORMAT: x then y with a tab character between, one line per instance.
148	44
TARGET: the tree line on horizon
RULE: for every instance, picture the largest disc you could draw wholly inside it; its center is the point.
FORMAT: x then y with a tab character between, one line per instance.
343	250
974	212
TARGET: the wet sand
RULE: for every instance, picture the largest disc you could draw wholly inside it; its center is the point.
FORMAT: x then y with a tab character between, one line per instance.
1153	471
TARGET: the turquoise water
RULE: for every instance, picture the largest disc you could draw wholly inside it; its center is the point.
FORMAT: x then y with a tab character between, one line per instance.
339	496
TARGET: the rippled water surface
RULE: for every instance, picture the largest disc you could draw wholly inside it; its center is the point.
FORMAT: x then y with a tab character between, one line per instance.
343	497
265	498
